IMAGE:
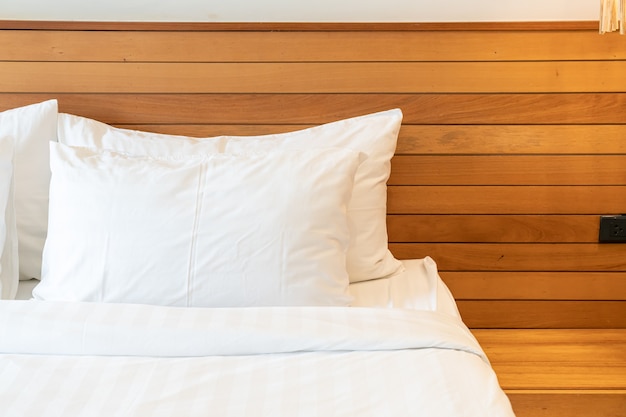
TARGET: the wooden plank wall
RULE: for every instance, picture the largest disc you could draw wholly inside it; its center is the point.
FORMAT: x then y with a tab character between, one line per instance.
513	144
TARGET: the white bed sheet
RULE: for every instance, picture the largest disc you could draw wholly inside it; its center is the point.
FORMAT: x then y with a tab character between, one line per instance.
400	350
417	286
91	359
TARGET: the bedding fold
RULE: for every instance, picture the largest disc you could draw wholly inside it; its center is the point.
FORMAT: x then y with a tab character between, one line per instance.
74	328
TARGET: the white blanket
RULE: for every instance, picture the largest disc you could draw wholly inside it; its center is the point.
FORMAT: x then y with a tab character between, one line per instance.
83	359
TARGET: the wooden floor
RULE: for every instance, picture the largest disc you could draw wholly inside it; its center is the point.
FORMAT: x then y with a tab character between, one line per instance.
559	372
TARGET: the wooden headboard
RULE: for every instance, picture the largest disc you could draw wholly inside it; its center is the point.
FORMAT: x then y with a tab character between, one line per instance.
513	143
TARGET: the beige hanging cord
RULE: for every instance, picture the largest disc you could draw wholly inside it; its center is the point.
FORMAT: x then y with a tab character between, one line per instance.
612	15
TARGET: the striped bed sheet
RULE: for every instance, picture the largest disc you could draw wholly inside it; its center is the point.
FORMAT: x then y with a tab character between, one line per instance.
92	359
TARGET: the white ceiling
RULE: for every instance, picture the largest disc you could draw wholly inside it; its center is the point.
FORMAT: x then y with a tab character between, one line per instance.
301	11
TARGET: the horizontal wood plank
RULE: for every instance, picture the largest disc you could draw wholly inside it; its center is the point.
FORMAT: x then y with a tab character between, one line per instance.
507	285
581	346
561	375
367	77
512	139
289	109
559	372
497	314
559	403
506	199
449	140
332	46
542	359
503	228
509	170
453	139
591	257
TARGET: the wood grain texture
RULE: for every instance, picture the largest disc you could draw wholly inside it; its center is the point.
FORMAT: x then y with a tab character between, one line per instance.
367	77
510	285
523	139
509	170
592	257
336	46
290	109
501	228
547	314
561	372
487	199
557	359
560	403
451	140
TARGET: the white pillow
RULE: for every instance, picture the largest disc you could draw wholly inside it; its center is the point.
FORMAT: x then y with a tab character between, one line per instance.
28	129
251	229
375	135
31	128
9	269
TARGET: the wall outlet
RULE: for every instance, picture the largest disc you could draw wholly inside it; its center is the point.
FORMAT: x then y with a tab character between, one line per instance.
613	229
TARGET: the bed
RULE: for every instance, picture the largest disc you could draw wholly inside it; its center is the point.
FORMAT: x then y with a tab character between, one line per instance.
237	262
518	250
150	274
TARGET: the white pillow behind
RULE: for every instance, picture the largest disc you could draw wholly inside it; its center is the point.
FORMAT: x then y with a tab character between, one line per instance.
8	233
375	135
83	132
24	136
251	229
31	128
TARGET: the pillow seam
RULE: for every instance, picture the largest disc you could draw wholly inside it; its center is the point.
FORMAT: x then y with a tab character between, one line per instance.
191	270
